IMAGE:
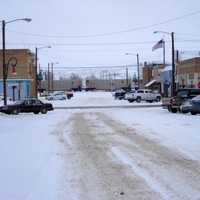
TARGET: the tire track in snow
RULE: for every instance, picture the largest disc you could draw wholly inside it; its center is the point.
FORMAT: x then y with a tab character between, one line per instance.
91	171
174	173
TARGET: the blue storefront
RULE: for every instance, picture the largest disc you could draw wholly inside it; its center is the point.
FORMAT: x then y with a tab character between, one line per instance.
16	88
165	76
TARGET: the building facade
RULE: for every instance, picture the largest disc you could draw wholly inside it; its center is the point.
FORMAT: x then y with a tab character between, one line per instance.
152	76
188	73
20	81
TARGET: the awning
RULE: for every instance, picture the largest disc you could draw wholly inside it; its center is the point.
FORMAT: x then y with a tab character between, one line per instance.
150	83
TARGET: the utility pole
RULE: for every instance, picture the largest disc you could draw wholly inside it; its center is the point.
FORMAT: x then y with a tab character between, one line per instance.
52	86
127	77
36	66
173	86
48	78
4	63
138	70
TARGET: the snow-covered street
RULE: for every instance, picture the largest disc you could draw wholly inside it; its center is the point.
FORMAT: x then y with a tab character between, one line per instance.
143	153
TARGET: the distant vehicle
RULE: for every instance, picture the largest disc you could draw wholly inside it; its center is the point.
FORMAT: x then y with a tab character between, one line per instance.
69	94
29	105
57	95
129	96
144	95
176	103
2	98
119	94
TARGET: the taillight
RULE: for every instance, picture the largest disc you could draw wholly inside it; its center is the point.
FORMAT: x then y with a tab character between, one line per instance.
173	101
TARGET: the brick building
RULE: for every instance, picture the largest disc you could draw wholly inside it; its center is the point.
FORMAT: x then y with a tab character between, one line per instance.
147	73
188	73
20	79
151	76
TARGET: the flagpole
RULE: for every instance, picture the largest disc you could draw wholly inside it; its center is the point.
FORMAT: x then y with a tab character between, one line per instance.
163	53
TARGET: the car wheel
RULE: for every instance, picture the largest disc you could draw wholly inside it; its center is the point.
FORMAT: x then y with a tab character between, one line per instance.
130	101
15	112
193	113
43	111
36	112
138	99
184	111
174	110
158	99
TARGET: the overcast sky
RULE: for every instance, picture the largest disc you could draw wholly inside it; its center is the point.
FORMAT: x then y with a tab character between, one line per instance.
76	29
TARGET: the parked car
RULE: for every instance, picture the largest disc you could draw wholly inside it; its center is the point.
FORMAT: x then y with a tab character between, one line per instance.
186	106
2	98
57	95
119	94
173	104
144	95
69	94
28	105
129	96
195	109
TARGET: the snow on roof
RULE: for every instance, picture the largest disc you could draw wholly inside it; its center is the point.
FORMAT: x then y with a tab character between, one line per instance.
150	83
167	68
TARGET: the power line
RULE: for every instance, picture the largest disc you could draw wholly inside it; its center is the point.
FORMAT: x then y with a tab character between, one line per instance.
102	44
96	67
109	33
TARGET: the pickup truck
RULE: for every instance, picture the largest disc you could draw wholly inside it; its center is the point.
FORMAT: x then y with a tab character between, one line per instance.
143	95
173	104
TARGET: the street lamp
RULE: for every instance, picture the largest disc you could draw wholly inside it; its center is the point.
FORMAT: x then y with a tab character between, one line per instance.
4	23
138	66
173	86
36	67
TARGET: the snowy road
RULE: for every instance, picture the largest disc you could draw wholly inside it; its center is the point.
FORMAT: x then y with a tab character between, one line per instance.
106	159
100	154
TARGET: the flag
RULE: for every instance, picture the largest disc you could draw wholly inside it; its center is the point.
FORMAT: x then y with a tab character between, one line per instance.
158	45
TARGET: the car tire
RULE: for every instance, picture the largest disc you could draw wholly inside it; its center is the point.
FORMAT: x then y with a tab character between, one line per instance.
43	110
169	108
193	113
15	112
36	112
158	99
130	101
174	110
138	99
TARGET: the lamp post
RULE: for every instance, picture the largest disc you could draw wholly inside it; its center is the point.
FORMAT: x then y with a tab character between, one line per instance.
138	66
173	85
4	23
36	67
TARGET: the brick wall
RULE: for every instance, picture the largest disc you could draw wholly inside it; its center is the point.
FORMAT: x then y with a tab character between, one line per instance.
25	68
188	72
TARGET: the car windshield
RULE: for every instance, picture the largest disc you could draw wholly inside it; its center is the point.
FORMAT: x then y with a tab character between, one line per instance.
197	98
183	93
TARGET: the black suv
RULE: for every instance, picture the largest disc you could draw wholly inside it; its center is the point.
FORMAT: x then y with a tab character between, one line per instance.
182	95
28	105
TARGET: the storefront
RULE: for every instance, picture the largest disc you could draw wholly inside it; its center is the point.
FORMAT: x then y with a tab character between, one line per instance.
16	88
